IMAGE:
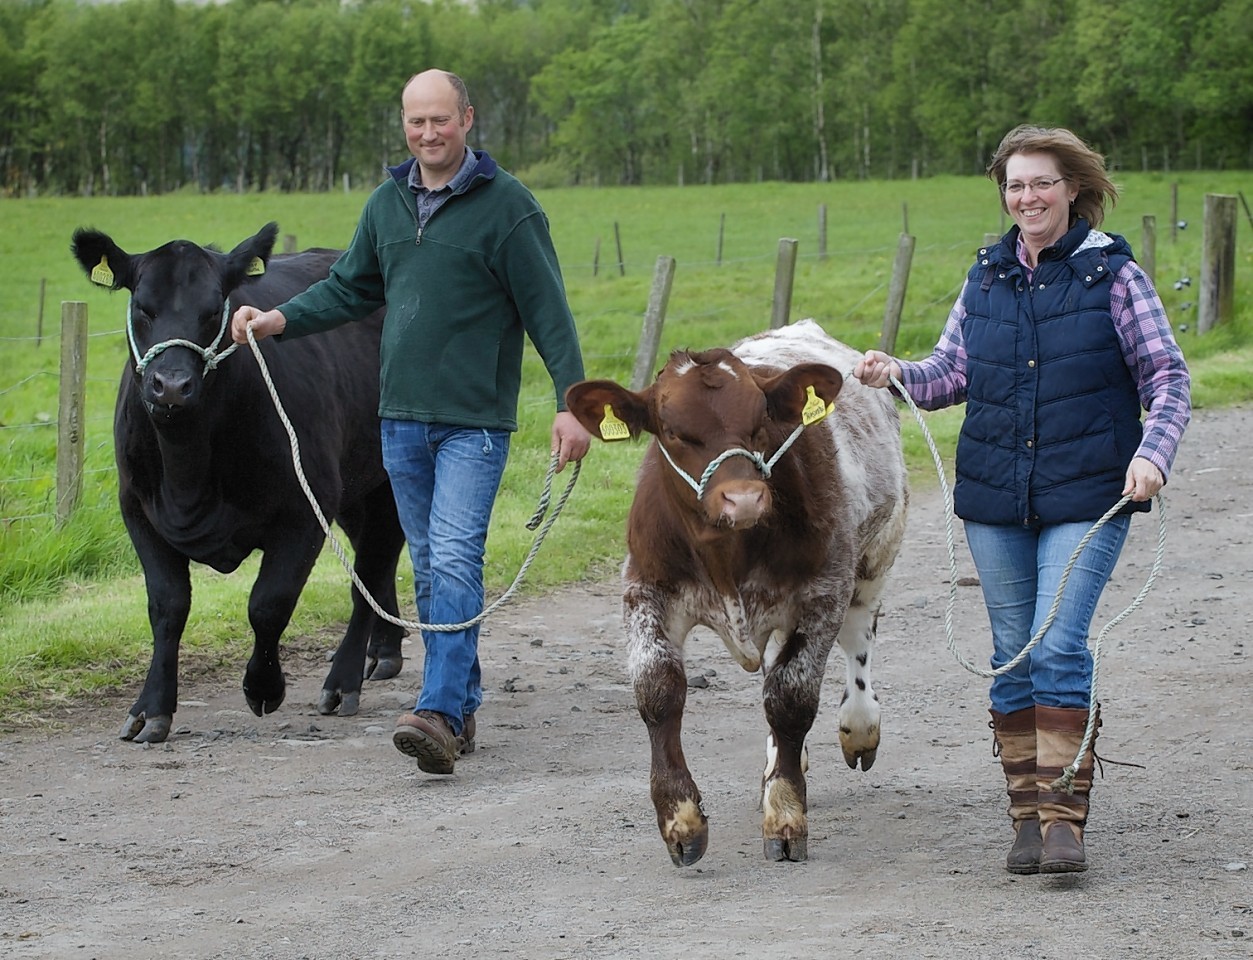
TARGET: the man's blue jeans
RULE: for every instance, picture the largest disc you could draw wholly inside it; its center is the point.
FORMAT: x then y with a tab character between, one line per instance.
445	479
1020	569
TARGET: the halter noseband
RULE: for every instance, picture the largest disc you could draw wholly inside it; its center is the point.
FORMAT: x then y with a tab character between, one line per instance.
209	354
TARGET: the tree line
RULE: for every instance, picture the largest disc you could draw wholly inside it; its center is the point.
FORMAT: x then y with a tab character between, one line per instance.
148	96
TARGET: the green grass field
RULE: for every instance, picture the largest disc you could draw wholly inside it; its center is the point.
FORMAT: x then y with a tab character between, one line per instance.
72	604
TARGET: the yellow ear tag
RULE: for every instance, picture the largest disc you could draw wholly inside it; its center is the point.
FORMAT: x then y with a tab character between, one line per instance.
101	274
256	268
814	409
611	428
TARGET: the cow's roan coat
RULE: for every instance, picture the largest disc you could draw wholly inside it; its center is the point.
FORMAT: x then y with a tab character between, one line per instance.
205	468
779	566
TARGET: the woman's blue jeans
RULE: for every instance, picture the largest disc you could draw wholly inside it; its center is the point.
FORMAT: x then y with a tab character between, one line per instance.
445	480
1020	569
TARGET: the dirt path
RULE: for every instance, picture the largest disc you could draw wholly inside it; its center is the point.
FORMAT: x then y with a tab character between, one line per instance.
298	836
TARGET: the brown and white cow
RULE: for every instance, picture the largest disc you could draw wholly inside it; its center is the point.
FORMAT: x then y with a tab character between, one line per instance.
781	550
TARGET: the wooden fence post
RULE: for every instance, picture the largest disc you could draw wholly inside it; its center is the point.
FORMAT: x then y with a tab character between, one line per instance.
1148	247
654	320
784	277
1174	212
822	231
289	243
617	237
39	322
896	293
722	227
596	258
1217	301
70	439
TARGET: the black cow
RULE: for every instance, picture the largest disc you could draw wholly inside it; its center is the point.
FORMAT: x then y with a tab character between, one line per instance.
205	466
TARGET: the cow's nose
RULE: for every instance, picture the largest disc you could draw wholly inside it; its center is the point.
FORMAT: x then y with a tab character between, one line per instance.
743	507
171	390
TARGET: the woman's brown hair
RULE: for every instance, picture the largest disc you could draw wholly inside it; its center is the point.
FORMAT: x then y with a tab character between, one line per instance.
1082	167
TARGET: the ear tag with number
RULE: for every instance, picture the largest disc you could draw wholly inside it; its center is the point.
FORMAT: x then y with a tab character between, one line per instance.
814	409
611	428
101	274
256	268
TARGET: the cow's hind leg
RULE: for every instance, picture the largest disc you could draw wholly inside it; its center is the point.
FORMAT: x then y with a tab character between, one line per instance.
790	692
384	659
859	707
377	539
661	694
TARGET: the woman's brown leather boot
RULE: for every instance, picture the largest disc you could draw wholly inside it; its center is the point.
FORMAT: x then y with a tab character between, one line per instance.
1015	744
1059	732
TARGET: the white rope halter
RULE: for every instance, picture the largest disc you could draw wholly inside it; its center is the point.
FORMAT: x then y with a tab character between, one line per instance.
209	354
759	461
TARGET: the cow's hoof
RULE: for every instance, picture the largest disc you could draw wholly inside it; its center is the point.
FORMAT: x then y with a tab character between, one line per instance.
686	854
778	849
383	668
263	705
865	757
146	730
331	701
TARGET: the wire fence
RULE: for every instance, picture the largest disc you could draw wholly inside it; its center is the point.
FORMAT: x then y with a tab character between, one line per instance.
866	276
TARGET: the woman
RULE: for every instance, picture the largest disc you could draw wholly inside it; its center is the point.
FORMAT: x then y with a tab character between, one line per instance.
1056	341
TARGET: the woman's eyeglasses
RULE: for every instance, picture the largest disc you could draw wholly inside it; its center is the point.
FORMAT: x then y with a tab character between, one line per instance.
1013	188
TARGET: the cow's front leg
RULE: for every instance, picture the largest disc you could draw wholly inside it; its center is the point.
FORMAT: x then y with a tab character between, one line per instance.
859	708
167	577
660	694
284	570
790	692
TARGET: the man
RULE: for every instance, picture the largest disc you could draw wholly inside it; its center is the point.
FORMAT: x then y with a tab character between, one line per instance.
461	254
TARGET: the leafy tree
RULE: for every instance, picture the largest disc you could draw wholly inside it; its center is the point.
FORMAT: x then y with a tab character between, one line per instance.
598	98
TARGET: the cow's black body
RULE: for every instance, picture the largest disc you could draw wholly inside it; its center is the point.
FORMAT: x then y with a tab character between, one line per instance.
205	468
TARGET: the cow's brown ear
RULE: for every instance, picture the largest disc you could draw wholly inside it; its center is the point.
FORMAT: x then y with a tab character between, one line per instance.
803	394
608	410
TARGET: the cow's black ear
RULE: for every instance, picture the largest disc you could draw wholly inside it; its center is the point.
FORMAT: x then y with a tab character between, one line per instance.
251	257
105	263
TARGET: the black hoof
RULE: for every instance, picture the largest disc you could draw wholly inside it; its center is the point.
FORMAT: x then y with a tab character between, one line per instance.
686	854
260	706
146	730
346	705
777	849
384	668
267	696
328	702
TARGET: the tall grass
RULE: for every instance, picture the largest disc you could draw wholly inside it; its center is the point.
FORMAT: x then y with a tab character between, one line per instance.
71	598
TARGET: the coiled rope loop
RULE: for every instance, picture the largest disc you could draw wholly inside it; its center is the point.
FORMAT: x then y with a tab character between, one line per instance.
537	519
1065	782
